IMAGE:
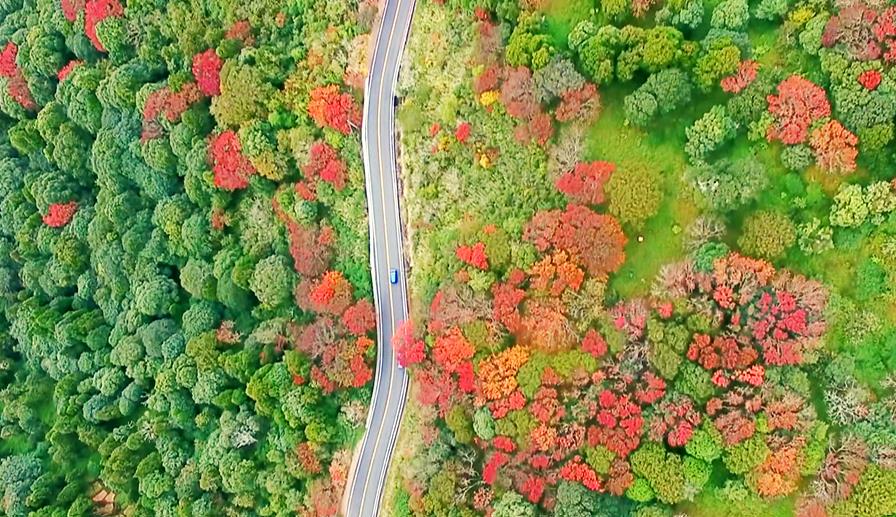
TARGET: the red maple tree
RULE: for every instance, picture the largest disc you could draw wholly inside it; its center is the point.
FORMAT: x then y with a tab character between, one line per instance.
870	79
581	104
585	183
168	103
596	240
17	86
473	255
231	169
408	349
96	11
324	163
67	69
207	72
797	105
60	214
332	294
743	77
360	318
462	133
517	93
451	350
71	8
241	30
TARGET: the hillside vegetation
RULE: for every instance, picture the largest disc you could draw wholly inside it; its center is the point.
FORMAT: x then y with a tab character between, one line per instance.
186	325
653	247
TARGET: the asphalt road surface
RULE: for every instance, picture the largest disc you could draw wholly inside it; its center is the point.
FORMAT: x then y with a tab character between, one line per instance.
378	141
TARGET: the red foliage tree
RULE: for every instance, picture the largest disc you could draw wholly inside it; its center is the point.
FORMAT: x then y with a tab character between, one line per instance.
361	373
231	169
473	255
330	108
577	470
241	30
67	69
8	65
310	247
514	402
482	499
60	214
360	318
555	273
19	91
207	72
648	389
462	133
323	499
870	79
721	353
324	163
581	104
594	343
797	105
517	94
866	31
17	86
408	349
494	463
332	294
168	103
595	240
745	75
96	11
308	459
619	424
783	411
732	414
547	409
674	420
835	148
227	334
506	299
338	360
503	443
487	80
451	350
533	488
71	8
539	129
585	183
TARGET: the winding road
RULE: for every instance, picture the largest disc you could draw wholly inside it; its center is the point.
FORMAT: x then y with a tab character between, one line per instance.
365	486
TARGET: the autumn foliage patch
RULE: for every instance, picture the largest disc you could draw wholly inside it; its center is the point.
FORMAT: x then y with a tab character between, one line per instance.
231	169
330	108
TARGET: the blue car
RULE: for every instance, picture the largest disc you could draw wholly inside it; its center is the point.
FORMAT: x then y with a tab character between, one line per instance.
393	276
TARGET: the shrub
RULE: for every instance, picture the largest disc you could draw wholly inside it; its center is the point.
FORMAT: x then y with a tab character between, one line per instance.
767	234
635	194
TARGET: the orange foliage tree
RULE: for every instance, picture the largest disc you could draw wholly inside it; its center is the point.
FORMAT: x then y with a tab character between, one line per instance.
835	148
330	108
496	375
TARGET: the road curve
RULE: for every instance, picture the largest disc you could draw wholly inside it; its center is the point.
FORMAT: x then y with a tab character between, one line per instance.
365	487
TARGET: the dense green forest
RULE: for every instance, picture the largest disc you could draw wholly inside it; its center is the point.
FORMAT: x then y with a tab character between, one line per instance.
653	249
185	317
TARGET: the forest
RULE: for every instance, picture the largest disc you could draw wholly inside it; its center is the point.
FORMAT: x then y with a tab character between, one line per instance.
653	259
186	319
